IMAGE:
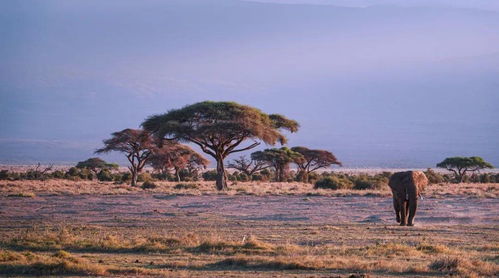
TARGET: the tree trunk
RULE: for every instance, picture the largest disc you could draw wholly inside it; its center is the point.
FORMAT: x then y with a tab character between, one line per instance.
279	174
135	176
177	174
306	174
221	176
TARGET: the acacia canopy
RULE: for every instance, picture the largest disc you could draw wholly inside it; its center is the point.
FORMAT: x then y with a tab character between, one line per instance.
173	155
248	166
218	128
137	145
95	163
314	159
461	165
279	159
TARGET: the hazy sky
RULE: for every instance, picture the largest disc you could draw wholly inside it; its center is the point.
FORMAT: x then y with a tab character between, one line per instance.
388	83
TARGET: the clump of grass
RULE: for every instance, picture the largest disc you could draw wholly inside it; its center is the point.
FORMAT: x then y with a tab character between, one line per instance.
148	185
185	186
251	245
463	266
60	263
8	256
255	244
393	249
258	263
23	195
432	248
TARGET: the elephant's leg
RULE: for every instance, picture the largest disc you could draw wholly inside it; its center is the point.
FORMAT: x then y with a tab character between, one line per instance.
396	206
413	206
403	213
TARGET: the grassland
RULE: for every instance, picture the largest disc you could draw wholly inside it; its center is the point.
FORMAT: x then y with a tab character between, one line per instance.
30	188
85	228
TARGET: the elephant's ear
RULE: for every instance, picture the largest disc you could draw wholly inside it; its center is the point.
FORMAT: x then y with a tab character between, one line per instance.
420	180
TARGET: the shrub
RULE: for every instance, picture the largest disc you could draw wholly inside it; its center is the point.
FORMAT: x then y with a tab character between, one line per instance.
73	172
243	177
186	186
333	182
363	182
126	177
144	177
58	174
210	175
148	185
434	177
105	175
4	174
256	177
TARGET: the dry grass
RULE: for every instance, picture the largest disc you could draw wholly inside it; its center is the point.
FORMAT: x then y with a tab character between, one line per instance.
464	267
59	263
65	187
112	252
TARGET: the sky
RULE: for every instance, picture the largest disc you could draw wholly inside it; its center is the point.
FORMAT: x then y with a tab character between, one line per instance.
387	83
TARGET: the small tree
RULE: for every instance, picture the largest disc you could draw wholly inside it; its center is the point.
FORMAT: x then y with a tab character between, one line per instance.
247	166
313	160
136	144
461	165
176	156
279	159
94	164
218	128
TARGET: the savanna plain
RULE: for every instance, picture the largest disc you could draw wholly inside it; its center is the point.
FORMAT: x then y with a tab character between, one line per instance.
258	229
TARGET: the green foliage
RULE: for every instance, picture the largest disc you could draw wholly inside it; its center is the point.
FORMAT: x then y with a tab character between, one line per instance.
279	159
105	175
163	176
4	175
434	177
334	182
145	177
210	175
186	186
95	163
58	174
76	174
148	185
219	128
257	177
362	182
473	163
461	165
126	177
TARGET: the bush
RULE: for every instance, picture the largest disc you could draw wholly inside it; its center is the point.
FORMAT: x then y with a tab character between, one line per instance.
334	182
434	177
4	175
186	186
105	175
58	174
126	177
363	182
256	177
243	177
144	177
148	185
210	175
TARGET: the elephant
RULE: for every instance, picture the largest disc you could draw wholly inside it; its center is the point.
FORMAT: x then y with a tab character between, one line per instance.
406	188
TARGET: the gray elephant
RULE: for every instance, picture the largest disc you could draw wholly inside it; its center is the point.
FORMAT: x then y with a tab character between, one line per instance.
406	188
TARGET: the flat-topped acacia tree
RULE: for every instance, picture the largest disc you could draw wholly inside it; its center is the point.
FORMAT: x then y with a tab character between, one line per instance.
314	160
176	156
279	159
136	144
218	128
460	165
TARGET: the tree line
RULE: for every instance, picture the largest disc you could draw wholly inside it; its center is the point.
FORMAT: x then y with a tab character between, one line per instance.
220	129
